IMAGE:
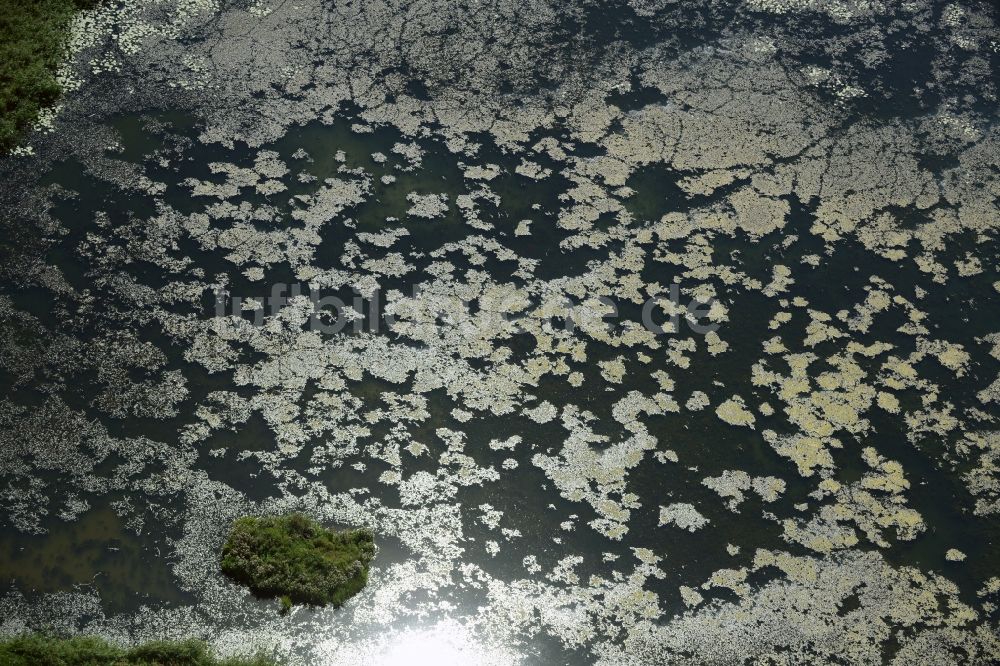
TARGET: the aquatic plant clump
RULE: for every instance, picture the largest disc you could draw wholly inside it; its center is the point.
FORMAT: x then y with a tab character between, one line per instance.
35	649
297	559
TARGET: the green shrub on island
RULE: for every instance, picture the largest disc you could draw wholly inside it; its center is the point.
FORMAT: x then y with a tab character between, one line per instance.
41	650
33	37
297	559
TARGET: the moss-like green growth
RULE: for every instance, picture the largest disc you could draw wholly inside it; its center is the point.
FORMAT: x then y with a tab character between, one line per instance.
40	650
296	557
33	36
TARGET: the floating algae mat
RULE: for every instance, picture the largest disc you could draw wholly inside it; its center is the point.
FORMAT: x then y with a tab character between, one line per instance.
637	332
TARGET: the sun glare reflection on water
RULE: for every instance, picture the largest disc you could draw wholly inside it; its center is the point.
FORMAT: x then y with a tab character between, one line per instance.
428	647
443	644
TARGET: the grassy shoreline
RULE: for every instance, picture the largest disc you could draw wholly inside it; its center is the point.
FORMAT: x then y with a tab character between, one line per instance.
42	650
33	37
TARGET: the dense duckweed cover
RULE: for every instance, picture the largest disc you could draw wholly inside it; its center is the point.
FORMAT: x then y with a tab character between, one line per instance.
32	39
297	559
40	650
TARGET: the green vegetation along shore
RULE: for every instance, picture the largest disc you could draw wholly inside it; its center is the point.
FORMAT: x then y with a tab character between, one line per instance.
297	559
39	650
33	36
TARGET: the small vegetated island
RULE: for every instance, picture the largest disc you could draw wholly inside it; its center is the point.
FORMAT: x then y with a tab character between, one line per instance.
298	560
